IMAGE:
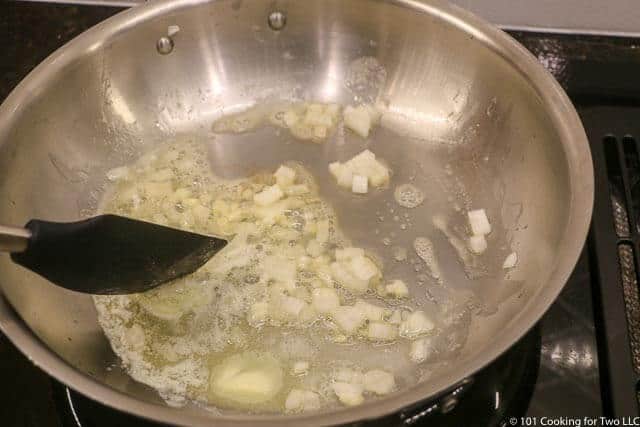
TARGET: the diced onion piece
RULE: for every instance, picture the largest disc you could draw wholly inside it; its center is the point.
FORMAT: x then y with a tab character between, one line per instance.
479	222
363	268
358	120
349	319
348	375
116	174
172	30
246	379
510	261
317	115
342	174
348	394
477	244
325	300
379	382
396	288
348	253
285	176
371	312
268	196
363	160
287	307
416	324
347	279
379	331
363	164
273	213
258	313
322	231
360	184
379	175
335	168
302	401
420	350
300	367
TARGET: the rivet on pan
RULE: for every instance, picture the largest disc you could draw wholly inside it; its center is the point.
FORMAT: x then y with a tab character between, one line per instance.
277	21
164	45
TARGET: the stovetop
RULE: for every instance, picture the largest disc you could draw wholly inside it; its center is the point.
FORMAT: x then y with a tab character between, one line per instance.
562	368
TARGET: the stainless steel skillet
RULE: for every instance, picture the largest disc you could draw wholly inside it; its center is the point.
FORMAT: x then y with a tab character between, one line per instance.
459	90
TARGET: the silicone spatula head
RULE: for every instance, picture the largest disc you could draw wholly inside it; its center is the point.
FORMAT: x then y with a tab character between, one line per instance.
110	254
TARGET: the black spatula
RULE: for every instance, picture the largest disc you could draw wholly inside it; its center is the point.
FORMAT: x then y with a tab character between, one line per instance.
107	254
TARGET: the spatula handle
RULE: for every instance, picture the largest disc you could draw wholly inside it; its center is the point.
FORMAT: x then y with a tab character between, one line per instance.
14	239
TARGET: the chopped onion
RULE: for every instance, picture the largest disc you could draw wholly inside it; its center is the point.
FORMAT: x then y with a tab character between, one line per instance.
510	261
347	279
363	164
268	196
302	401
479	222
348	394
397	289
287	307
363	268
348	375
420	350
172	30
285	176
477	244
325	300
360	119
417	324
379	382
360	184
349	319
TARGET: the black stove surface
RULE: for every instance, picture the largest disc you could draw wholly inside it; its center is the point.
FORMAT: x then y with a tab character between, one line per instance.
560	369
